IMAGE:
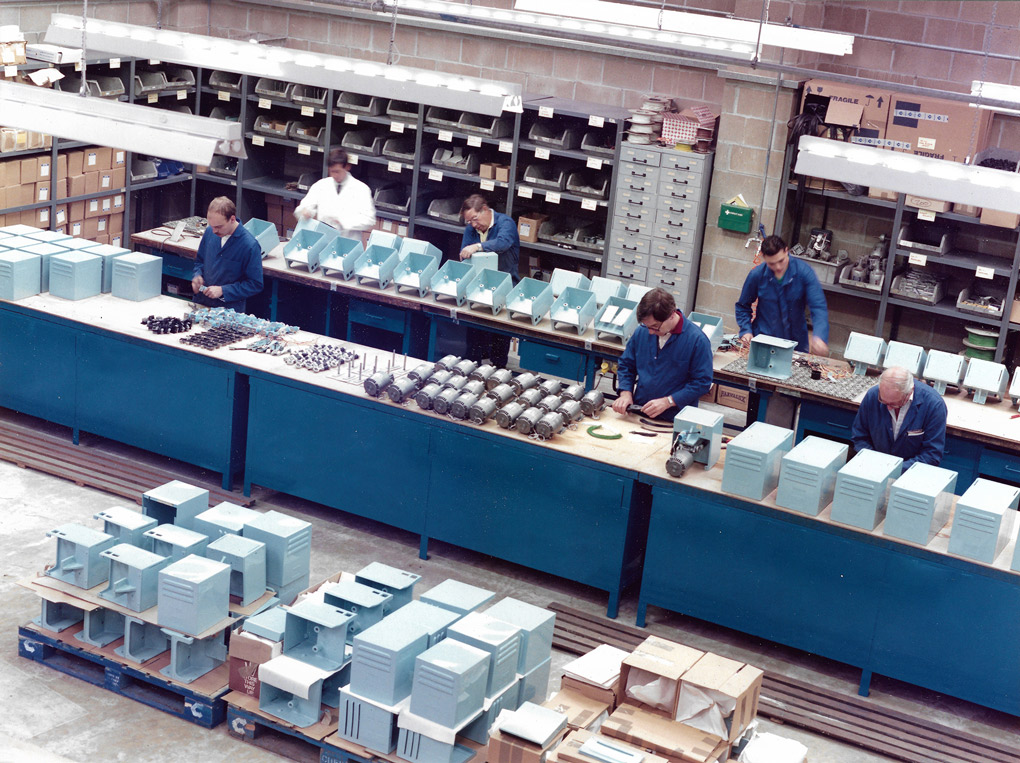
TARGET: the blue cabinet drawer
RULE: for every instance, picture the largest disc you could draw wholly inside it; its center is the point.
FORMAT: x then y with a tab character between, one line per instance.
549	359
826	420
178	267
375	315
1000	465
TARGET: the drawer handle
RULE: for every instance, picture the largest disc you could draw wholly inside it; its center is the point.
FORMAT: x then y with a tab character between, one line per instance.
639	161
1008	468
628	262
637	203
837	425
629	248
639	174
671	270
680	182
552	358
668	283
678	195
631	230
675	225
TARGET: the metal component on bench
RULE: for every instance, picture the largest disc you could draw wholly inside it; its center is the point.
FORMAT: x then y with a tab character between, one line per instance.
502	394
422	374
442	402
592	403
499	376
697	436
465	367
526	421
507	416
447	362
482	410
482	373
551	387
377	383
402	389
531	397
426	396
461	406
524	381
573	392
549	425
571	410
550	403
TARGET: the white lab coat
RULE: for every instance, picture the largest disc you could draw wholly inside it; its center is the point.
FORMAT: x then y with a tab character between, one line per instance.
350	211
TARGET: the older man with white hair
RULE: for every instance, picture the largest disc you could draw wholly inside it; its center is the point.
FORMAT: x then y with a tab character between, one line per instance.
903	417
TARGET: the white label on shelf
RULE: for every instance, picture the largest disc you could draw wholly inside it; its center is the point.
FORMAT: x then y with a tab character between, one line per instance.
596	121
264	103
488	184
553	197
114	63
153	98
352	158
394	166
10	71
446	136
506	146
304	150
308	111
474	140
546	112
77	66
513	103
401	230
435	175
594	163
182	94
154	62
258	140
223	95
541	153
926	214
396	126
983	272
590	204
387	225
350	119
918	259
524	191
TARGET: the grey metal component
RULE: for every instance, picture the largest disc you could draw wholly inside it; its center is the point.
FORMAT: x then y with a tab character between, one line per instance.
175	503
506	416
398	583
124	524
536	626
377	383
474	386
223	519
482	410
80	560
499	376
194	594
524	381
247	560
455	381
316	633
571	410
501	640
442	402
531	397
192	658
382	664
450	682
57	616
551	387
402	389
549	425
102	626
142	640
288	547
422	374
502	394
574	392
447	362
526	421
460	407
176	542
465	367
679	463
269	624
426	396
368	605
482	373
550	403
441	377
134	577
592	403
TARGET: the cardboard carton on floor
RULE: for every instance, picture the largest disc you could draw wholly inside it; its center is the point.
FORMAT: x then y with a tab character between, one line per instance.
664	736
581	711
650	675
246	652
506	748
732	397
732	686
569	750
596	674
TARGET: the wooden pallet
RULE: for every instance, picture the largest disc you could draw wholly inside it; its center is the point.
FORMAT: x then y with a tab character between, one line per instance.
89	467
851	720
165	695
280	738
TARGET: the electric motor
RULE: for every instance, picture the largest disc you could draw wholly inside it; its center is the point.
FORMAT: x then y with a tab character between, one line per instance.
422	374
570	409
526	421
524	381
440	377
679	462
551	386
502	394
427	395
461	406
531	397
482	410
482	373
549	425
377	383
550	403
465	367
499	376
474	386
593	403
442	402
455	382
573	392
402	389
506	416
447	362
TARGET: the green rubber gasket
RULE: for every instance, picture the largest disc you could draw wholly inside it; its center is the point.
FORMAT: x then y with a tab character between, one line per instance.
591	431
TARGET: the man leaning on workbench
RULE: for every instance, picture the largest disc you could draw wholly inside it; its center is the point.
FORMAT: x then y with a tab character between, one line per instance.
667	367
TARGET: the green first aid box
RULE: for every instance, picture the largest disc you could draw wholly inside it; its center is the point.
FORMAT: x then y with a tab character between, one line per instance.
735	217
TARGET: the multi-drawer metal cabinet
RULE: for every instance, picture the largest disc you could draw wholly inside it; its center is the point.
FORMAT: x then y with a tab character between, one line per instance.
659	219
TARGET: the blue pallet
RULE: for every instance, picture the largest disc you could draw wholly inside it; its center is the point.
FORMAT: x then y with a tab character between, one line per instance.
283	739
173	699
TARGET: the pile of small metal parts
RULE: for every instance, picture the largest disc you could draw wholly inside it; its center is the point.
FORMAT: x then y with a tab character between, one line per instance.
222	317
168	325
221	336
320	357
267	346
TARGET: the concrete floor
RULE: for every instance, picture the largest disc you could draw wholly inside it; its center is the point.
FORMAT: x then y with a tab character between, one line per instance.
45	715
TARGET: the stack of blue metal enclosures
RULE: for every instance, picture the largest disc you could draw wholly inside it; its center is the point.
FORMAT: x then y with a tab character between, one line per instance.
753	460
167	586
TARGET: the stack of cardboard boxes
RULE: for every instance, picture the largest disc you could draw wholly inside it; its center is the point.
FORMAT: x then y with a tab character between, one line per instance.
280	212
88	172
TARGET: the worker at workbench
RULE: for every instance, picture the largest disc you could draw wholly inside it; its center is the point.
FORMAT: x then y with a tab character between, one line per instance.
903	417
486	230
340	200
784	287
228	265
666	367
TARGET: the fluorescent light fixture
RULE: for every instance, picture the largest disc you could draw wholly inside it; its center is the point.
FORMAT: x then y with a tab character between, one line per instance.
997	92
137	128
712	27
242	57
903	173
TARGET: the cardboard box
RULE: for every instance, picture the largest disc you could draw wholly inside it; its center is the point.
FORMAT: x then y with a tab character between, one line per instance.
98	159
93	208
878	193
117	240
60	215
91	182
93	226
608	696
528	224
76	228
503	173
59	187
659	663
106	203
116	223
245	654
738	682
37	218
76	211
118	202
663	735
866	109
42	191
936	128
709	397
44	172
569	750
75	186
3	197
732	397
581	711
934	205
118	178
75	162
999	219
487	170
506	748
968	210
29	170
12	53
61	166
118	158
20	195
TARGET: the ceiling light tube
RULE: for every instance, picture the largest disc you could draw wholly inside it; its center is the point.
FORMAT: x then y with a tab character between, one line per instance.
136	128
480	96
904	173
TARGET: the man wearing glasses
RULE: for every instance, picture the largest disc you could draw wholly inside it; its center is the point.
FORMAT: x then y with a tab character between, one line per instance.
902	417
667	366
488	231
